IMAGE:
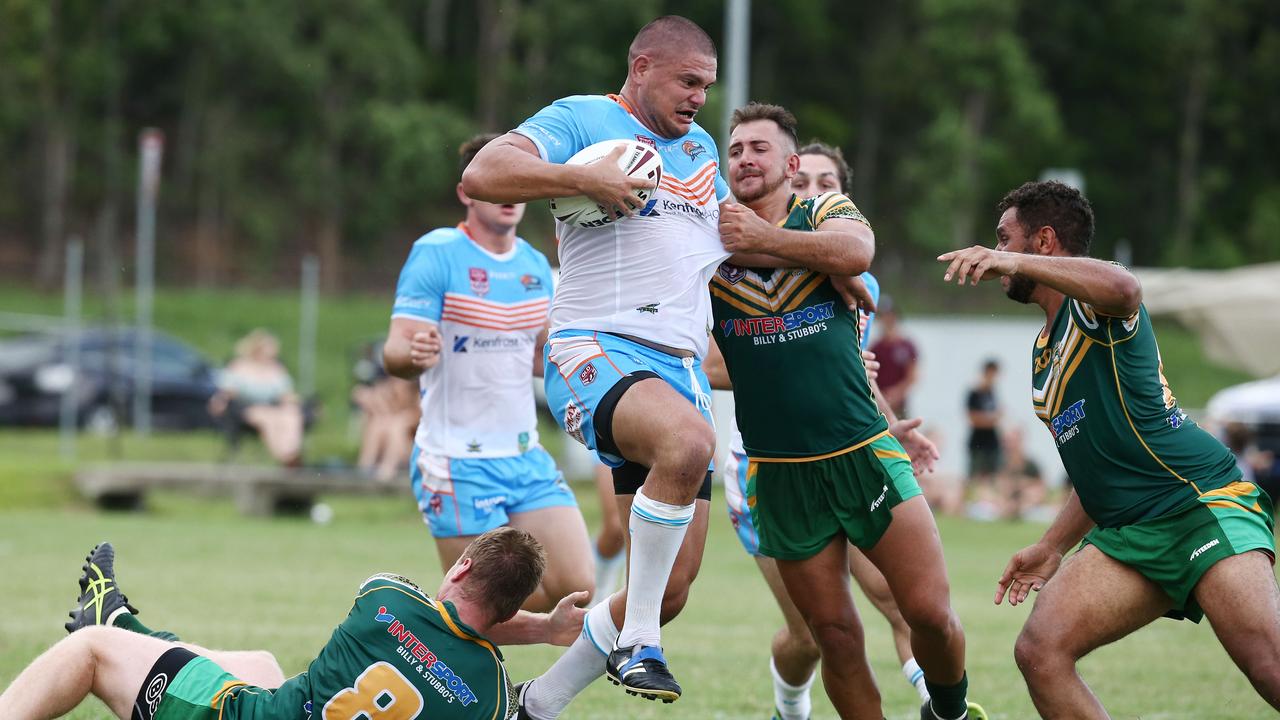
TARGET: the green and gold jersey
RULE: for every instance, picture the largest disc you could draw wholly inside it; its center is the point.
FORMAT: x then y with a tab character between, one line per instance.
399	654
791	348
1130	451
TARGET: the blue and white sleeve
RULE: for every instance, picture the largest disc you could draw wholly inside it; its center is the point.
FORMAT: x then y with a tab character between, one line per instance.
558	130
423	280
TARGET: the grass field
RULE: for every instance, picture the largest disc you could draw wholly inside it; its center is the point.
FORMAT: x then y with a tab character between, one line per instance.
196	568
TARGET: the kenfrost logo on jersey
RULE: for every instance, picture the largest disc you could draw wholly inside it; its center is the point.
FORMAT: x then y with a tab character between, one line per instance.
1201	550
1066	425
460	343
648	211
479	280
491	343
450	685
484	506
771	324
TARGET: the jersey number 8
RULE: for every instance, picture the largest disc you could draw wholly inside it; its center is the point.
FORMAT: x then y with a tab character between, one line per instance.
380	693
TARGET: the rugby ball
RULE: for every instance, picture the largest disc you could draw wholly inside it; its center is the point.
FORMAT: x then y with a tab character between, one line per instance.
637	160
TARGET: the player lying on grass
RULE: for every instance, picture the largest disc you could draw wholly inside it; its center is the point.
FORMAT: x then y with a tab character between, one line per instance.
398	654
1168	525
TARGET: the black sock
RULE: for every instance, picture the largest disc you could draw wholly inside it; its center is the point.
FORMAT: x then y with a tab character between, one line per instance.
949	702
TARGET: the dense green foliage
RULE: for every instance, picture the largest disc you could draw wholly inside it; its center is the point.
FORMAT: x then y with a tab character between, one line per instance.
331	127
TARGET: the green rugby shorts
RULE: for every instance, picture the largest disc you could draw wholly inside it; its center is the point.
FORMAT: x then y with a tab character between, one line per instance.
1174	551
184	686
799	505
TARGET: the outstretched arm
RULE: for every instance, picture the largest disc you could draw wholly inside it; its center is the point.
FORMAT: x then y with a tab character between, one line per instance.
1031	567
558	627
1109	287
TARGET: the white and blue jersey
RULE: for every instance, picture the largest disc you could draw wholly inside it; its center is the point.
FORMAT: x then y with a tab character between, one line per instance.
644	276
735	466
476	449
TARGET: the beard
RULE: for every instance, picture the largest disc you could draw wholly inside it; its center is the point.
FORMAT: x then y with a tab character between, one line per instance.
766	187
1020	289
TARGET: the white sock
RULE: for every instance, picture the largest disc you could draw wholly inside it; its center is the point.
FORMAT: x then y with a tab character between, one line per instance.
111	619
915	676
608	574
657	529
577	668
791	701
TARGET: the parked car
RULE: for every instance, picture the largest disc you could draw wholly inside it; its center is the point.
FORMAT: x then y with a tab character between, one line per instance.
35	371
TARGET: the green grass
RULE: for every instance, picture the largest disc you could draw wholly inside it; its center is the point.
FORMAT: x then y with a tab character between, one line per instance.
196	568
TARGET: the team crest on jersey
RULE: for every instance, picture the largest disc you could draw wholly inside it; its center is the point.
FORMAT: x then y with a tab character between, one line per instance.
479	280
693	149
573	422
531	282
1176	419
731	273
647	140
588	374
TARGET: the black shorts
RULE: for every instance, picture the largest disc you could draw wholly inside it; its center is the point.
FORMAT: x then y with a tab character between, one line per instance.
628	478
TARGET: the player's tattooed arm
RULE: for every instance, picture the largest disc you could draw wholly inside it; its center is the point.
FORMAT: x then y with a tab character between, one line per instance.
1031	567
561	626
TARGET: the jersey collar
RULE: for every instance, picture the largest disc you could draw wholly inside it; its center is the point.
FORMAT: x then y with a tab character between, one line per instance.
500	257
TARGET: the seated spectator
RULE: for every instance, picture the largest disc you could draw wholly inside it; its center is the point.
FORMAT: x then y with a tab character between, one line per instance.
390	409
256	388
1021	485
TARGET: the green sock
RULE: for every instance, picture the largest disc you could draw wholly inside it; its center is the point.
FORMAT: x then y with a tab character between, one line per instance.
129	621
949	702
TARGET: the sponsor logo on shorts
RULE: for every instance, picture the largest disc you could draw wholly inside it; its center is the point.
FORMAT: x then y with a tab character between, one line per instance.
573	422
884	493
155	693
446	682
1203	548
1066	425
484	506
588	374
531	282
479	280
436	505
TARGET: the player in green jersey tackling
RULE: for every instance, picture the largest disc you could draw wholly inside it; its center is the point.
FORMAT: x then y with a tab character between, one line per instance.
398	655
824	471
1168	525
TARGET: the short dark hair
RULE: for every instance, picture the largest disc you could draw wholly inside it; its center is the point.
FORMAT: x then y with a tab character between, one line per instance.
843	172
990	364
467	151
506	566
670	32
776	114
1053	204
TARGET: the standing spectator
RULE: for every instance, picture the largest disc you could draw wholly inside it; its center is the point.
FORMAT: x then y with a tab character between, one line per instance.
984	442
897	356
256	388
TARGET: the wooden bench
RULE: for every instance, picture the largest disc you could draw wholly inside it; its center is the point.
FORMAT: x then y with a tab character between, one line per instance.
258	489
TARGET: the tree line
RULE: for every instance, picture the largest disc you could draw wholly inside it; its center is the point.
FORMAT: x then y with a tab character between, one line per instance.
331	126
